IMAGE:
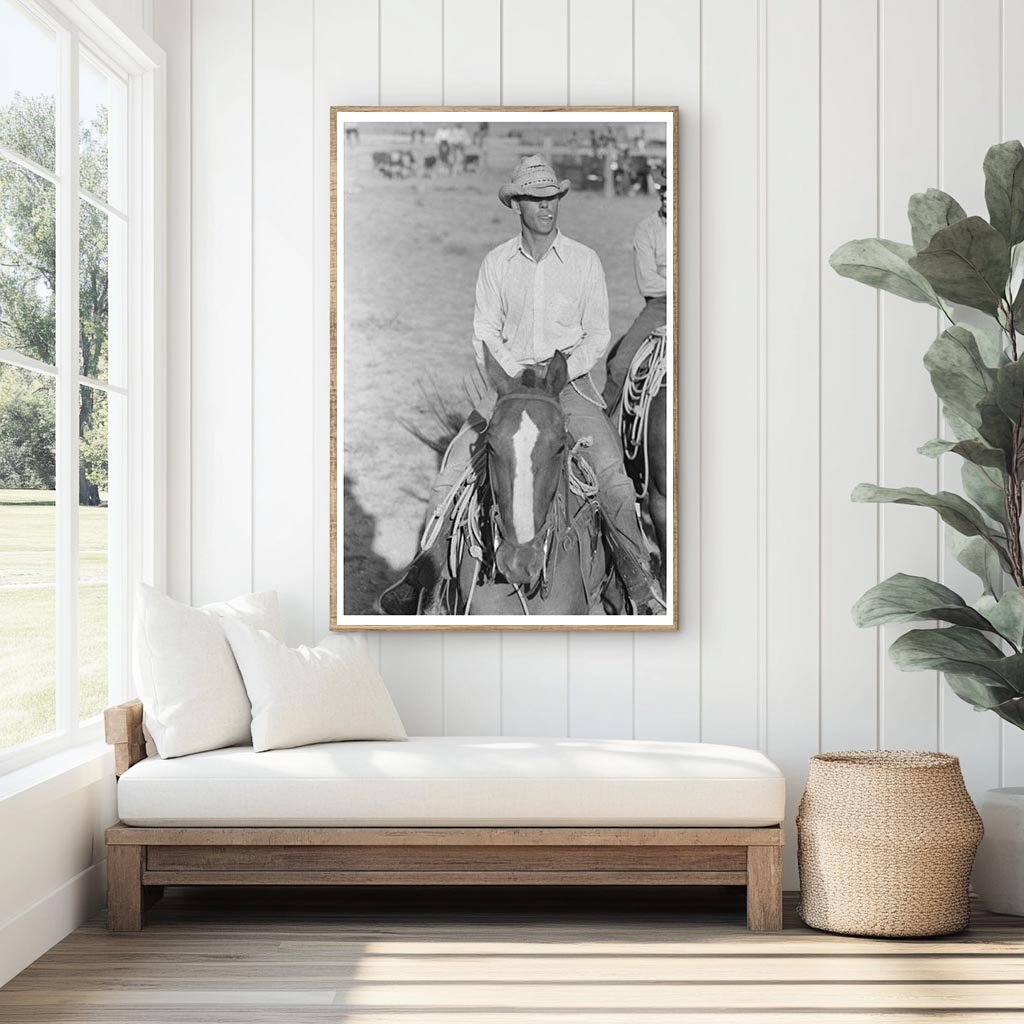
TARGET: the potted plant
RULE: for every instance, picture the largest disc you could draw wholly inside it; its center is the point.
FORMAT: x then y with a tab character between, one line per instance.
978	374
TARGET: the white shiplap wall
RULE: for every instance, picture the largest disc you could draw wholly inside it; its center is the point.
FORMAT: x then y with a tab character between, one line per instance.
804	123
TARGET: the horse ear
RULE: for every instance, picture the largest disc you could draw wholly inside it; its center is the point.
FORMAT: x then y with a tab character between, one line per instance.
558	374
495	373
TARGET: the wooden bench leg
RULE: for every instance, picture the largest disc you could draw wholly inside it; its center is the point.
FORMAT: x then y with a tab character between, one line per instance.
125	897
764	888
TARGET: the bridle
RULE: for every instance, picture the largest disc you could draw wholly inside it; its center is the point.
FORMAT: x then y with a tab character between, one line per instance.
557	515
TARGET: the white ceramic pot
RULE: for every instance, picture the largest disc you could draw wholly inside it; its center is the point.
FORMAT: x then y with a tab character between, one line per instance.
999	866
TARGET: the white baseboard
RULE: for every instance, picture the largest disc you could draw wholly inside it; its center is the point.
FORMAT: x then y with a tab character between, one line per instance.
28	936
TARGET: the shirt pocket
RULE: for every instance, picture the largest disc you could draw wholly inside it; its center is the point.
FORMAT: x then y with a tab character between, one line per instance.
566	311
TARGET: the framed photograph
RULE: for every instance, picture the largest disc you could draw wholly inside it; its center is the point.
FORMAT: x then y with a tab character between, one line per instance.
504	352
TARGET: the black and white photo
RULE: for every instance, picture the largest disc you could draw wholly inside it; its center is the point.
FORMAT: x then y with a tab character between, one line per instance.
504	352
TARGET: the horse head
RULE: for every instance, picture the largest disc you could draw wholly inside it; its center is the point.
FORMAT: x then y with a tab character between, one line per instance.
526	457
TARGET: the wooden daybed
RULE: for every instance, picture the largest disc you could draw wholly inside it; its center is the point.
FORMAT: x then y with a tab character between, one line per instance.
143	858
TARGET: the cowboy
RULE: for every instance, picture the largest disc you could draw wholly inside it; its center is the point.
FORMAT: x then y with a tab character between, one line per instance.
649	257
538	293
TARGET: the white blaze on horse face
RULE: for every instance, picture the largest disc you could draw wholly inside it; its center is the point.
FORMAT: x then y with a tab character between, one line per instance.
523	442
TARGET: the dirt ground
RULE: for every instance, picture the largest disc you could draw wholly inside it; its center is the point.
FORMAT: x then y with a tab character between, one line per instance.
412	249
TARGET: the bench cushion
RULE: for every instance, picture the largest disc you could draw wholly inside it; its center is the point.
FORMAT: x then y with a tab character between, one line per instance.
459	781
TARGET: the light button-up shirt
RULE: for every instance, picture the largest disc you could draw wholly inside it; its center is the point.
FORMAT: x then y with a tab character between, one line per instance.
528	309
650	257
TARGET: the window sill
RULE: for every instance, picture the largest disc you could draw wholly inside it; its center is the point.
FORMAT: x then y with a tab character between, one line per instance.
55	776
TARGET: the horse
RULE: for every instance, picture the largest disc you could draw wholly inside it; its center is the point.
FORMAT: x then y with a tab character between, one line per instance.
527	535
641	415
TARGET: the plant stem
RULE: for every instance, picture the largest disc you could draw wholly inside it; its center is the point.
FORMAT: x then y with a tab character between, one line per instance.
1012	495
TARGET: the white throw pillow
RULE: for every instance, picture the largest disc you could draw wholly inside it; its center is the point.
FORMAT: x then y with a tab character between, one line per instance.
192	693
309	694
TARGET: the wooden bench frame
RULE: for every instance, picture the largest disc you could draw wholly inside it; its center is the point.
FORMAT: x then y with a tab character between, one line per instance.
142	860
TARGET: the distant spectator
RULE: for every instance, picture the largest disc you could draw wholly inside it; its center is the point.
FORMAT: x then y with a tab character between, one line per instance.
443	141
458	138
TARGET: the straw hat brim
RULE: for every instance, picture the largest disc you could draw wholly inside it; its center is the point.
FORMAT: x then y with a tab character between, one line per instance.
508	191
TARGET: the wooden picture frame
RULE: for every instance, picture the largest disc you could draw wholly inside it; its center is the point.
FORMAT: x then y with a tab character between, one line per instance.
385	195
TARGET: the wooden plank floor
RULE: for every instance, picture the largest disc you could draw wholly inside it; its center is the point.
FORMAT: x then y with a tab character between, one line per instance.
219	956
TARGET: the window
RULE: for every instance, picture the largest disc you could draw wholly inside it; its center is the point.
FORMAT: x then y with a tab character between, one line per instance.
76	382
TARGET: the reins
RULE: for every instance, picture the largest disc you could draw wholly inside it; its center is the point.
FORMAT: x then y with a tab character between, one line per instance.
463	506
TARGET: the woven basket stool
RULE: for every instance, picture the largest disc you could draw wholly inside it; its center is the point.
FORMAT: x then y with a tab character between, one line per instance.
885	843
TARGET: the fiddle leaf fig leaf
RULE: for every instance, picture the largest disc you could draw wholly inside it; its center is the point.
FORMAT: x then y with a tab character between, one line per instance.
977	556
1006	614
959	374
883	264
1009	390
990	345
1013	285
967	263
962	430
964	652
973	451
952	509
903	598
980	692
984	486
996	428
1004	189
929	212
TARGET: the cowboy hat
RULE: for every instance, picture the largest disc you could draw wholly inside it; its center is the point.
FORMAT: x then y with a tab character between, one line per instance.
533	176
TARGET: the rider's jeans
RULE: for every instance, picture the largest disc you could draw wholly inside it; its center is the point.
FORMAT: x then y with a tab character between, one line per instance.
584	418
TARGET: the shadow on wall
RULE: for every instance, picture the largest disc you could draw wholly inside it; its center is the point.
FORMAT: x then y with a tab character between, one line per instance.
366	573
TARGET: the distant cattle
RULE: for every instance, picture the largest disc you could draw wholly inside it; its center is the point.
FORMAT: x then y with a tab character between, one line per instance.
395	163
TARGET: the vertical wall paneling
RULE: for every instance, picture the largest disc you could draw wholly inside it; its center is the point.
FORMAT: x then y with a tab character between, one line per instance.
221	369
412	664
534	59
411	73
849	368
346	73
173	30
600	63
796	136
534	697
792	416
1012	127
600	685
909	415
600	72
283	338
410	51
968	125
472	661
730	502
535	70
666	666
472	684
472	52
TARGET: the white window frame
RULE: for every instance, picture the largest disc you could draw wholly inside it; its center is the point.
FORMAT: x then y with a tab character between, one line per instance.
141	64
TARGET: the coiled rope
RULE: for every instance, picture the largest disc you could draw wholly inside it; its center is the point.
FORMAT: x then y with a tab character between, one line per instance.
645	379
462	507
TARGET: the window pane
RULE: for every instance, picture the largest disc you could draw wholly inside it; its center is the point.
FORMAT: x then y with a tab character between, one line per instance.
28	545
28	85
101	103
93	551
101	281
28	263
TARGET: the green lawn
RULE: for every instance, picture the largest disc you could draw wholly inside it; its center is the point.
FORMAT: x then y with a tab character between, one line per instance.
28	617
